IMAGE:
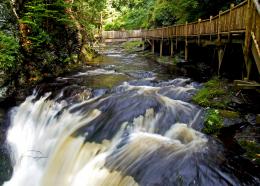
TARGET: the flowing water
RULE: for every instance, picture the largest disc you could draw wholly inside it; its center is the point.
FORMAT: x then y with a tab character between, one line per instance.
124	120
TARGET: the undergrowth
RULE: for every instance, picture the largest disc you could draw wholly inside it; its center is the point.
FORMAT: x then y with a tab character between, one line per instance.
252	150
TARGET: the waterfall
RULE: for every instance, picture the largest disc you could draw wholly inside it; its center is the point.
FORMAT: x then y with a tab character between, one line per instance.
135	135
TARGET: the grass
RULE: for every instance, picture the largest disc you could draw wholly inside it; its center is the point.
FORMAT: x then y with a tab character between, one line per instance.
214	94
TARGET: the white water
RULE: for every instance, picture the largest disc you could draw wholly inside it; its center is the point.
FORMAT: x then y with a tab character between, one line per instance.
46	150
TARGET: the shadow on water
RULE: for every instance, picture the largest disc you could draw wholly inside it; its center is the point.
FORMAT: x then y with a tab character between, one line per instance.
120	121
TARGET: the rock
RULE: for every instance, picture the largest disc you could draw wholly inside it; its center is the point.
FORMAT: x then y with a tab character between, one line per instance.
251	118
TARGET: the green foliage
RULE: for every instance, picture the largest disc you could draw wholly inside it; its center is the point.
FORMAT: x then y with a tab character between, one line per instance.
252	150
135	14
213	122
41	16
9	49
213	94
88	13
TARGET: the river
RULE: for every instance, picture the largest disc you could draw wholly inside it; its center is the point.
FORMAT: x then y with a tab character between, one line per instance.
122	120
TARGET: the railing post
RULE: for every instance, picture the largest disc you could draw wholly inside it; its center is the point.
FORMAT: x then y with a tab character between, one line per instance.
230	26
199	21
210	28
186	26
219	25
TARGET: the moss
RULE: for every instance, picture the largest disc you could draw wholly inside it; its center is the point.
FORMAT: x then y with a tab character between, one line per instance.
252	150
132	45
213	122
213	94
229	114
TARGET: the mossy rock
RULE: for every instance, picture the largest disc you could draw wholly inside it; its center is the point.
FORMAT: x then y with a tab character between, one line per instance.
214	94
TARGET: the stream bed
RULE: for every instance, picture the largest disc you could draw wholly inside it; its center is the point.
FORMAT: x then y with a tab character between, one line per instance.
122	120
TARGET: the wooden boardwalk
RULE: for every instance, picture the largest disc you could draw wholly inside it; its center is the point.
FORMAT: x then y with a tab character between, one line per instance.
239	24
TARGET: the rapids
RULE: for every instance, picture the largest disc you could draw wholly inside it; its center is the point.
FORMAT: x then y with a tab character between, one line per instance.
121	121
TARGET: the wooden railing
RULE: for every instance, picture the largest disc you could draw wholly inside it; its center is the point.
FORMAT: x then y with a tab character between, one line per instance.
122	34
229	21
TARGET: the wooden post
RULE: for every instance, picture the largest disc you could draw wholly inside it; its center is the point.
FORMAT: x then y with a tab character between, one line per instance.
186	51
247	43
186	42
211	30
176	40
143	45
249	68
219	25
221	53
230	26
176	43
199	31
161	48
171	48
153	46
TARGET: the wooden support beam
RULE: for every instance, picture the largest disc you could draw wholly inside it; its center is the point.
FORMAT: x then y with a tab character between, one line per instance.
161	48
256	52
153	47
186	42
176	43
221	53
172	48
149	41
247	44
186	51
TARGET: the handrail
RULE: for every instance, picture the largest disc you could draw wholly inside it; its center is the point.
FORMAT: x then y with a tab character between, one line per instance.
224	22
